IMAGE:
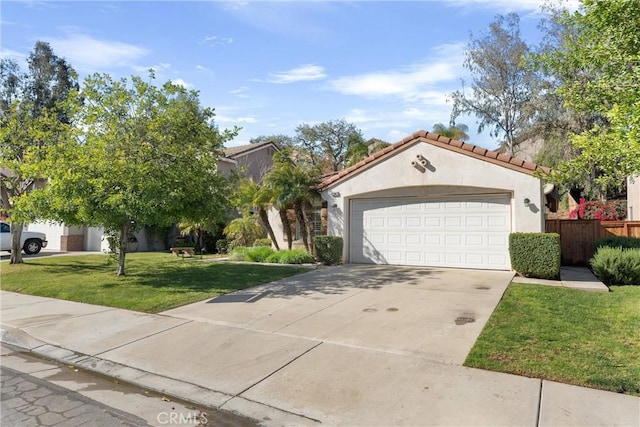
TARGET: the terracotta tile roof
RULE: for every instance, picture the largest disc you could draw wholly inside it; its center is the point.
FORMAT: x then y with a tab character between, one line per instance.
240	149
464	148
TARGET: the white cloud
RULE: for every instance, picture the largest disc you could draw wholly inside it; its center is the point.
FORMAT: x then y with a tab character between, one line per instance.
203	68
516	5
163	66
303	73
12	54
241	92
417	82
180	82
214	41
234	120
84	51
410	82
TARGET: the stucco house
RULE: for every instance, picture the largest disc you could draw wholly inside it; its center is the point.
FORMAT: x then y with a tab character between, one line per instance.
429	200
254	160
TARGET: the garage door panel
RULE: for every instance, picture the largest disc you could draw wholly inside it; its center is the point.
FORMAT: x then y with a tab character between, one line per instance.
469	233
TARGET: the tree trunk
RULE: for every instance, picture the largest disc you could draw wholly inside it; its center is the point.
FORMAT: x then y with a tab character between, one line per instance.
297	206
286	225
307	210
124	232
16	250
264	219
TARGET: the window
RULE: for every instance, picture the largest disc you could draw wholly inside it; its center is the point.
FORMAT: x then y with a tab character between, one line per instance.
4	228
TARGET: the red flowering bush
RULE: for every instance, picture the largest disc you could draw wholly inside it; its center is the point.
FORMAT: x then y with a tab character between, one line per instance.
612	210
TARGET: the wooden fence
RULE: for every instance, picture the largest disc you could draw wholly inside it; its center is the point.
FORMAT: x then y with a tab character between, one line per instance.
621	228
577	237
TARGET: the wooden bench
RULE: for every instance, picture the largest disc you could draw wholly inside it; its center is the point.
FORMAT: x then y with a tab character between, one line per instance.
186	250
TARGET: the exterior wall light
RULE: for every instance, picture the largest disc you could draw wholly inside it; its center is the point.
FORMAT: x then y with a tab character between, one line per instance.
527	202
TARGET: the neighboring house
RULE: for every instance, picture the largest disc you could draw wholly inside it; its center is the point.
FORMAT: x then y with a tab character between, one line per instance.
254	159
633	198
429	200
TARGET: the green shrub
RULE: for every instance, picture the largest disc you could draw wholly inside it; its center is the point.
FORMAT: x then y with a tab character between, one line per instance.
617	266
329	249
262	242
222	245
258	253
535	254
293	256
618	242
238	253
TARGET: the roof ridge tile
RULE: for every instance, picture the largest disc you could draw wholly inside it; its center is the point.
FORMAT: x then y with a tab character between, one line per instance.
441	141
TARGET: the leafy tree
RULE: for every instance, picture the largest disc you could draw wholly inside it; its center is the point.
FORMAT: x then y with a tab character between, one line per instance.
250	195
454	131
503	84
138	153
326	145
32	117
279	139
598	68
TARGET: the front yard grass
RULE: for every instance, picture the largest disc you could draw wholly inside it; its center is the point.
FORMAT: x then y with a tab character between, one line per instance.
588	339
154	282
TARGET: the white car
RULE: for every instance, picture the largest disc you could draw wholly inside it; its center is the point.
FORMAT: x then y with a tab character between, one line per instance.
31	242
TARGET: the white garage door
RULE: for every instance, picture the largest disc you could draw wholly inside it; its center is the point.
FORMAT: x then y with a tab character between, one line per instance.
461	233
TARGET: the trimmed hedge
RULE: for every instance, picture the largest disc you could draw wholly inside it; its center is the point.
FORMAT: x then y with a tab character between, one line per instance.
328	249
618	242
535	254
617	266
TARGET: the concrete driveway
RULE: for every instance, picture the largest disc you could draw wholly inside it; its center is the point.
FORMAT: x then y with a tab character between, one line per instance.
350	345
432	313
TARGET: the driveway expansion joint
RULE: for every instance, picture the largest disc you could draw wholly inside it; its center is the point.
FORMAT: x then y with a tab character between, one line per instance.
145	337
279	369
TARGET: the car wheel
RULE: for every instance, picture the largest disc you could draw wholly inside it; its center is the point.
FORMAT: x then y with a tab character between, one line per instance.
32	246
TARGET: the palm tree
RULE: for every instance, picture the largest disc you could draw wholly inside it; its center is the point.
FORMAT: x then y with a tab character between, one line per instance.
252	195
243	231
453	131
291	185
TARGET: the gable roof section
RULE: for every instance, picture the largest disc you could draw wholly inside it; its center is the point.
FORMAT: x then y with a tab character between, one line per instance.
456	146
241	150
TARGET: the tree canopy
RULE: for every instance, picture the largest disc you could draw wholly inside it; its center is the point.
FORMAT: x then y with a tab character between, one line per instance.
598	69
33	115
137	153
327	145
502	83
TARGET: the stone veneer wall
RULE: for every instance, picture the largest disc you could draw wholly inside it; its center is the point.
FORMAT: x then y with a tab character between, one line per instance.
71	243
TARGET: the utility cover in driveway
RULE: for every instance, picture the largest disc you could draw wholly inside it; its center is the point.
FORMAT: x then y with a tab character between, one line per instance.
452	232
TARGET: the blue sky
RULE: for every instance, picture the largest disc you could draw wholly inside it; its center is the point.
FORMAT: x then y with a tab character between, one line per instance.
268	66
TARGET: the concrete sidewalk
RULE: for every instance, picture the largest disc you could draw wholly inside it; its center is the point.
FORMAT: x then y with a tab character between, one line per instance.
281	379
580	278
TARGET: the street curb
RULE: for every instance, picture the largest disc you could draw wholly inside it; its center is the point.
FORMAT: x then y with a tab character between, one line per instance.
179	390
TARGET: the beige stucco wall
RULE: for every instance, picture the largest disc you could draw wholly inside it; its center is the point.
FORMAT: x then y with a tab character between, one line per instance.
448	173
633	198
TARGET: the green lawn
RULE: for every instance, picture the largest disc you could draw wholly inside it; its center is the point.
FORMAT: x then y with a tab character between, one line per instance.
589	339
154	282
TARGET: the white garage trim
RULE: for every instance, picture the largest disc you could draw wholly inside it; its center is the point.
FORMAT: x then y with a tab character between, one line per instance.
456	231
